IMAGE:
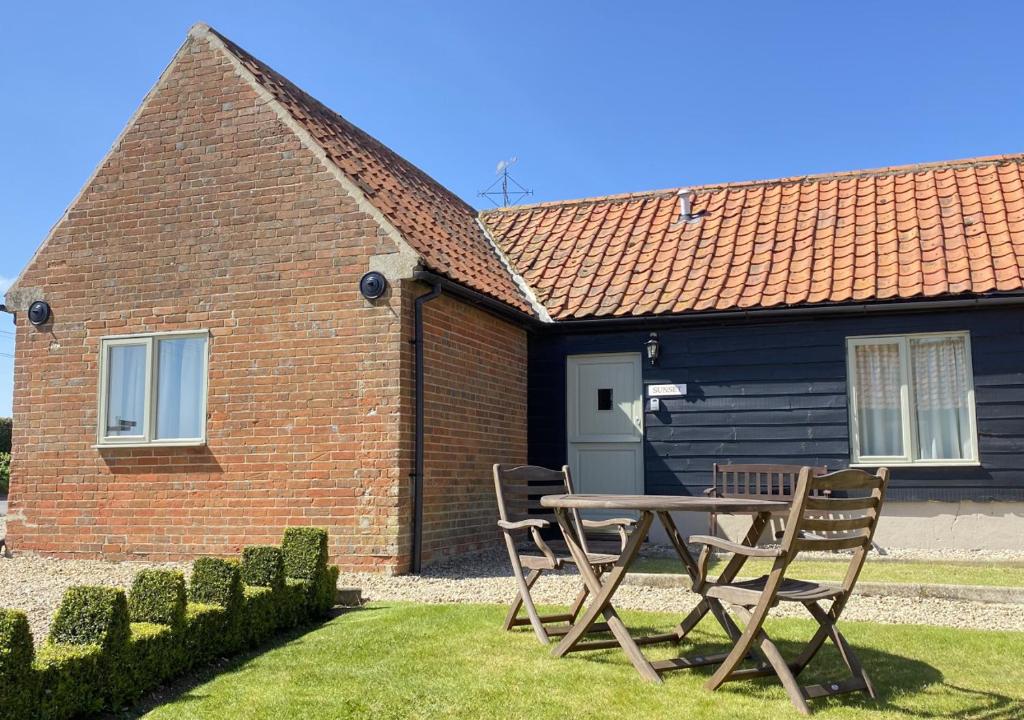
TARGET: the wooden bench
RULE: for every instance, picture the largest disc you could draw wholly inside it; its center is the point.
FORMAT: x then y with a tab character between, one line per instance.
757	482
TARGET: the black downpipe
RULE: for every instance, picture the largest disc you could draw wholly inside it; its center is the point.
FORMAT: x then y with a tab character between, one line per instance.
417	475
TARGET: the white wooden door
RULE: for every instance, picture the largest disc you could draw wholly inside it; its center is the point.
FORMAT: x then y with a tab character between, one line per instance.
604	395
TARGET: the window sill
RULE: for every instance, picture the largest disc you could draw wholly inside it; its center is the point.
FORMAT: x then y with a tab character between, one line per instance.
156	444
918	464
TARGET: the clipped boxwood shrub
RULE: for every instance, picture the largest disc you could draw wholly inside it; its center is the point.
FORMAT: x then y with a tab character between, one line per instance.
305	552
17	680
154	655
263	566
92	615
294	607
158	596
260	613
326	592
205	627
71	680
216	581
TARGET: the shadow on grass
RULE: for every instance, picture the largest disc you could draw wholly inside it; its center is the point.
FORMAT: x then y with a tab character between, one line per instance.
988	706
182	689
896	678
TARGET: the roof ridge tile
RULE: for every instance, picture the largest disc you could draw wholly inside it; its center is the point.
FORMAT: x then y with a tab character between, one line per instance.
826	177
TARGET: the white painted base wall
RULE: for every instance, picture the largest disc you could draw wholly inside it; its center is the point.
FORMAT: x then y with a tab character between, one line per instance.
965	525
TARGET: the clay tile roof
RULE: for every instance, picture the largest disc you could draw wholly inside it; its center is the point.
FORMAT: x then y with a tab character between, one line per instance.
434	221
919	231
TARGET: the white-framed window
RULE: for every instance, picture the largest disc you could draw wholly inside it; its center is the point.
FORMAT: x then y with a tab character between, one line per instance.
152	389
911	400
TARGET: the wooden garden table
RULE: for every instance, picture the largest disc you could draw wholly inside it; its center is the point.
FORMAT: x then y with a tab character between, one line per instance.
603	588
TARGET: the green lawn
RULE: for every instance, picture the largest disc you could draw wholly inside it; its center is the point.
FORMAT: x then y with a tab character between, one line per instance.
997	574
452	661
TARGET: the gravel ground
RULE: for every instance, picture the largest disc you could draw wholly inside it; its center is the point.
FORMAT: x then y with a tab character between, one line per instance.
35	584
486	578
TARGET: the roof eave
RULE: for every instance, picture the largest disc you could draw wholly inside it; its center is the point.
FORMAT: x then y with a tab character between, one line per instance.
914	305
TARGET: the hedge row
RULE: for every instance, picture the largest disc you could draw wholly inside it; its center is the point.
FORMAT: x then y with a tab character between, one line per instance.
106	648
5	473
6	429
6	426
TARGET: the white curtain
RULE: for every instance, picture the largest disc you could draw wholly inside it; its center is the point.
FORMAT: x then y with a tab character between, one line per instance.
941	397
879	412
126	390
179	403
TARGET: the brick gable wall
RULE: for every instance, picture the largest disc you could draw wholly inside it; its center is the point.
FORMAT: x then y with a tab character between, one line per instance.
475	416
212	215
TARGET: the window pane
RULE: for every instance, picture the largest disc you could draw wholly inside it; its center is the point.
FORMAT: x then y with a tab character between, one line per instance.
126	391
940	389
180	386
879	416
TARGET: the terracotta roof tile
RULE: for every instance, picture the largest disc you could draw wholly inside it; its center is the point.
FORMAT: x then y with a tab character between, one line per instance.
434	221
895	233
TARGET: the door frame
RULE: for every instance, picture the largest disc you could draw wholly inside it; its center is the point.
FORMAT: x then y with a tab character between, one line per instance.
572	436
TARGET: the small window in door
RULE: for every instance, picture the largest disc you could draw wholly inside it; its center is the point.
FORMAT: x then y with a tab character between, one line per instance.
604	398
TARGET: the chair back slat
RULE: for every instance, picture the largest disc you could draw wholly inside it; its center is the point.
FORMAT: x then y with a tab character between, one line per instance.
834	504
837	524
846	480
545	488
849	542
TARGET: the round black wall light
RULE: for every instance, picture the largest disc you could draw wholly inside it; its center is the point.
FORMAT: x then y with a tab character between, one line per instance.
373	285
38	313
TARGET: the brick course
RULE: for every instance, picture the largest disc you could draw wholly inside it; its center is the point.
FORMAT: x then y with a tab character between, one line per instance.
474	416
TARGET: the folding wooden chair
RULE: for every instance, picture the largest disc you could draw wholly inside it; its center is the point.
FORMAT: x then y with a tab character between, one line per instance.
849	523
530	480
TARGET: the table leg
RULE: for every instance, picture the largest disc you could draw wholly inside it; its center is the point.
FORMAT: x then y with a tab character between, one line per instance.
602	594
732	568
735	564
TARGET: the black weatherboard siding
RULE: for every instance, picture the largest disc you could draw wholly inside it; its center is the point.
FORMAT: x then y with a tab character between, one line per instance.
776	392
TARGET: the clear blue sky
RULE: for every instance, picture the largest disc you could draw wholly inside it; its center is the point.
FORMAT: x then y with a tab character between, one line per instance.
593	97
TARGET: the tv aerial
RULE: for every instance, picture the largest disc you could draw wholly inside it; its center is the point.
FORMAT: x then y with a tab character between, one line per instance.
505	190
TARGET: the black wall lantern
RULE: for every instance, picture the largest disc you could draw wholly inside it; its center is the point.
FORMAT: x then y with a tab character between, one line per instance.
38	313
653	346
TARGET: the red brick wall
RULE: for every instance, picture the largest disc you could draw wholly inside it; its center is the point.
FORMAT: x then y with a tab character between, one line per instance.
475	416
212	215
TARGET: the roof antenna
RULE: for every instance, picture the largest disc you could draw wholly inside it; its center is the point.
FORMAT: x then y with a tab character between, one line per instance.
505	187
686	214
